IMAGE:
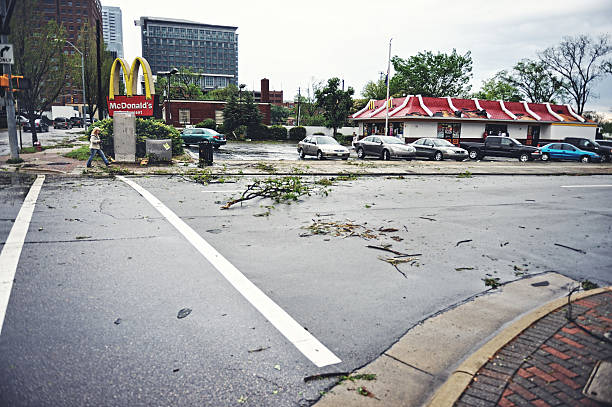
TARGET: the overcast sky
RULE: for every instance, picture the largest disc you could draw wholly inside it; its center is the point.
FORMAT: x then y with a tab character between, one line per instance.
297	43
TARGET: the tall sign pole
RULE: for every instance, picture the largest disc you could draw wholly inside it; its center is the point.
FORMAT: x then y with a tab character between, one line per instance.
387	100
6	9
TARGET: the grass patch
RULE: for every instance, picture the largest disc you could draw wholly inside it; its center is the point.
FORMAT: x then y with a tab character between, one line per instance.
82	154
465	174
270	169
588	285
492	282
14	161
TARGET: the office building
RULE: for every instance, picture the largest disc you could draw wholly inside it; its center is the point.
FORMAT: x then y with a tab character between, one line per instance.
210	50
112	29
72	15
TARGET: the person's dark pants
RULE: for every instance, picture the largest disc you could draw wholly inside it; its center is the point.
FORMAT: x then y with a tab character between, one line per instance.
95	151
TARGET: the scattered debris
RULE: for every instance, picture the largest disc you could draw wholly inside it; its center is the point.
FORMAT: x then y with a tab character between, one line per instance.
465	174
464	268
541	284
387	230
571	248
183	313
266	167
325	375
397	238
361	376
83	237
431	219
394	261
463	241
530	200
259	349
175	370
492	282
521	227
387	249
337	229
117	321
364	392
40	229
504	244
242	399
588	285
277	367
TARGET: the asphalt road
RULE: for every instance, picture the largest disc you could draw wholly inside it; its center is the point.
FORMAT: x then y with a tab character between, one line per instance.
52	137
92	318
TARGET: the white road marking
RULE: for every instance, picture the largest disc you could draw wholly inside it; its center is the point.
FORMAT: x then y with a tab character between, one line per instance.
9	258
587	186
294	332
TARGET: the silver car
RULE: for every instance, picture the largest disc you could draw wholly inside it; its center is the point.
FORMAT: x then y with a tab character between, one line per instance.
322	147
384	147
438	149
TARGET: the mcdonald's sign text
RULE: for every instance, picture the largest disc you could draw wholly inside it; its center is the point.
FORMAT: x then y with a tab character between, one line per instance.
141	105
138	104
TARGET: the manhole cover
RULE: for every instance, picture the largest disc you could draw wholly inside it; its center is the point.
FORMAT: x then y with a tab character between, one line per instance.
598	386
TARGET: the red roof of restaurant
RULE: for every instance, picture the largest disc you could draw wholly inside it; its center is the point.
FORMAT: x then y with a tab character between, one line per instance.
410	107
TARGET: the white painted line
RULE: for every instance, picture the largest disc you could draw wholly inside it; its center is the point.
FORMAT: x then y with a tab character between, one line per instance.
9	258
294	332
587	186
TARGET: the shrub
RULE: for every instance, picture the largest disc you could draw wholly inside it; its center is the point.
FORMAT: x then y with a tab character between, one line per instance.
340	138
278	132
258	132
145	128
208	124
297	133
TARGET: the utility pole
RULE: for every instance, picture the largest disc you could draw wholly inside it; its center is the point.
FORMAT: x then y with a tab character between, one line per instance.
100	102
6	10
387	100
299	99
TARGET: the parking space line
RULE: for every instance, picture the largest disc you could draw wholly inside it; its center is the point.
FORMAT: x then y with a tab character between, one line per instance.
305	342
9	257
587	186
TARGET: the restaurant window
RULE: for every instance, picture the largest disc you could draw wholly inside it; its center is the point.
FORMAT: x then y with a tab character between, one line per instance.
184	116
398	129
450	132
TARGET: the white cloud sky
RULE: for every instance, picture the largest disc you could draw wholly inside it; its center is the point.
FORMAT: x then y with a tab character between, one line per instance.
296	43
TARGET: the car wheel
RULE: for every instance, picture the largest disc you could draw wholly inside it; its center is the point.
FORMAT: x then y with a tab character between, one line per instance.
605	158
438	156
523	158
385	155
545	157
585	159
360	153
216	147
473	154
301	153
320	155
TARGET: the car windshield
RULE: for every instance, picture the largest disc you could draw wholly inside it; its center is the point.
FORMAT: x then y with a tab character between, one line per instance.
596	144
391	140
326	140
442	143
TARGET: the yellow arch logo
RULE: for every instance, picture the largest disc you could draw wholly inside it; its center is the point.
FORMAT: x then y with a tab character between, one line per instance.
131	77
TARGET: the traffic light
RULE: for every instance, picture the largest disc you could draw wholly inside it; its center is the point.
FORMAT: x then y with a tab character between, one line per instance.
4	82
19	82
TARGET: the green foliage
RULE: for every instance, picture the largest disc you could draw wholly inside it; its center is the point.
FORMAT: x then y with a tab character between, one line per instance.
535	81
279	114
588	285
259	132
278	133
335	102
242	112
297	133
208	124
314	120
465	174
492	282
145	128
497	88
378	90
435	75
340	138
222	94
82	154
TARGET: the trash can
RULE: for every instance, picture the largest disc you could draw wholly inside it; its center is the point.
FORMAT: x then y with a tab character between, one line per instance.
206	153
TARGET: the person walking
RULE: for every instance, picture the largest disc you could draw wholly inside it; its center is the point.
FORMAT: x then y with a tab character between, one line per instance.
94	147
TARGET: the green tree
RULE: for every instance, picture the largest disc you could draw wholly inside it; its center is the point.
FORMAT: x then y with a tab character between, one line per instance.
335	102
436	75
241	112
378	90
279	114
496	88
222	93
535	81
39	55
579	62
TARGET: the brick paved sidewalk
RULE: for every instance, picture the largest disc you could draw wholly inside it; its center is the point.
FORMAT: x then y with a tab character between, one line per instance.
549	363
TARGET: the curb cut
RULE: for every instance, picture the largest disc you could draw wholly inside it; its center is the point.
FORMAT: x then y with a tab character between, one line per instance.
456	384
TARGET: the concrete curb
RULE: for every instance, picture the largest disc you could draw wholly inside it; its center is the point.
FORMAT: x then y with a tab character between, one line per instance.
456	384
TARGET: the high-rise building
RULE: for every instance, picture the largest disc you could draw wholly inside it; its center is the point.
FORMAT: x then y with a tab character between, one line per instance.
72	15
112	30
210	50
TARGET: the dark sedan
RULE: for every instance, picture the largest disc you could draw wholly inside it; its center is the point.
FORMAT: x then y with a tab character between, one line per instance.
384	147
438	149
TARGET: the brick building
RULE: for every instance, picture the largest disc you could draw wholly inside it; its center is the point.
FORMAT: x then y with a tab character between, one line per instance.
192	112
266	95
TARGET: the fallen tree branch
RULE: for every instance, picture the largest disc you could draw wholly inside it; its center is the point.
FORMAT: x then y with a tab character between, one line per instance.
386	249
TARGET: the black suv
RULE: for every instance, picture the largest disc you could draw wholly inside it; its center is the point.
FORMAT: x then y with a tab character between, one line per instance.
590	145
62	123
76	121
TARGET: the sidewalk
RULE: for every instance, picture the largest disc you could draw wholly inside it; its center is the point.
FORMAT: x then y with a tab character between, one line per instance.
52	161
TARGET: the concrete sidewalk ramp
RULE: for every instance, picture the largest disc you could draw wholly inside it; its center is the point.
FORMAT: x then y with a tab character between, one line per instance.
410	371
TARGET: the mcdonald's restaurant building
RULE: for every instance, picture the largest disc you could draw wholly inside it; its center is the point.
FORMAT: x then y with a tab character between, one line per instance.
460	120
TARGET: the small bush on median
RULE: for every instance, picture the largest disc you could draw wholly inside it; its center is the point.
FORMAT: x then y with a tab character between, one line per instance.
207	124
297	133
278	132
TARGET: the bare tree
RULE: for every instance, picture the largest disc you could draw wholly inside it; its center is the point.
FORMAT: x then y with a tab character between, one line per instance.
579	62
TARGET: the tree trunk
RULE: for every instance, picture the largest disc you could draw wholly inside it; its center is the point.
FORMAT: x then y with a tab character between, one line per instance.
33	128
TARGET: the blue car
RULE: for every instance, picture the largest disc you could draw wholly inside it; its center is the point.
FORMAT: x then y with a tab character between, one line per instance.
565	151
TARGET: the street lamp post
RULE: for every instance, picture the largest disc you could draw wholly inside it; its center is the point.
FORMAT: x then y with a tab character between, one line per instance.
168	74
83	79
387	100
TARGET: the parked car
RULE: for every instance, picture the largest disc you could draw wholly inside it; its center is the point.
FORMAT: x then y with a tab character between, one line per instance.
566	151
384	147
605	143
21	120
322	147
500	146
76	121
591	145
41	126
438	149
62	123
197	135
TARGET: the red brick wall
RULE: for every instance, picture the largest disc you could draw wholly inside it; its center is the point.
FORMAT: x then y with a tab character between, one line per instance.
202	110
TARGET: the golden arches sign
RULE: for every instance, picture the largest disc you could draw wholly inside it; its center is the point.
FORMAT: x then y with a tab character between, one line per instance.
131	77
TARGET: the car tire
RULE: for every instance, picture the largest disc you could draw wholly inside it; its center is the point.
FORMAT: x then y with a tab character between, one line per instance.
386	155
438	156
360	153
585	159
605	158
473	154
523	157
320	155
545	157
